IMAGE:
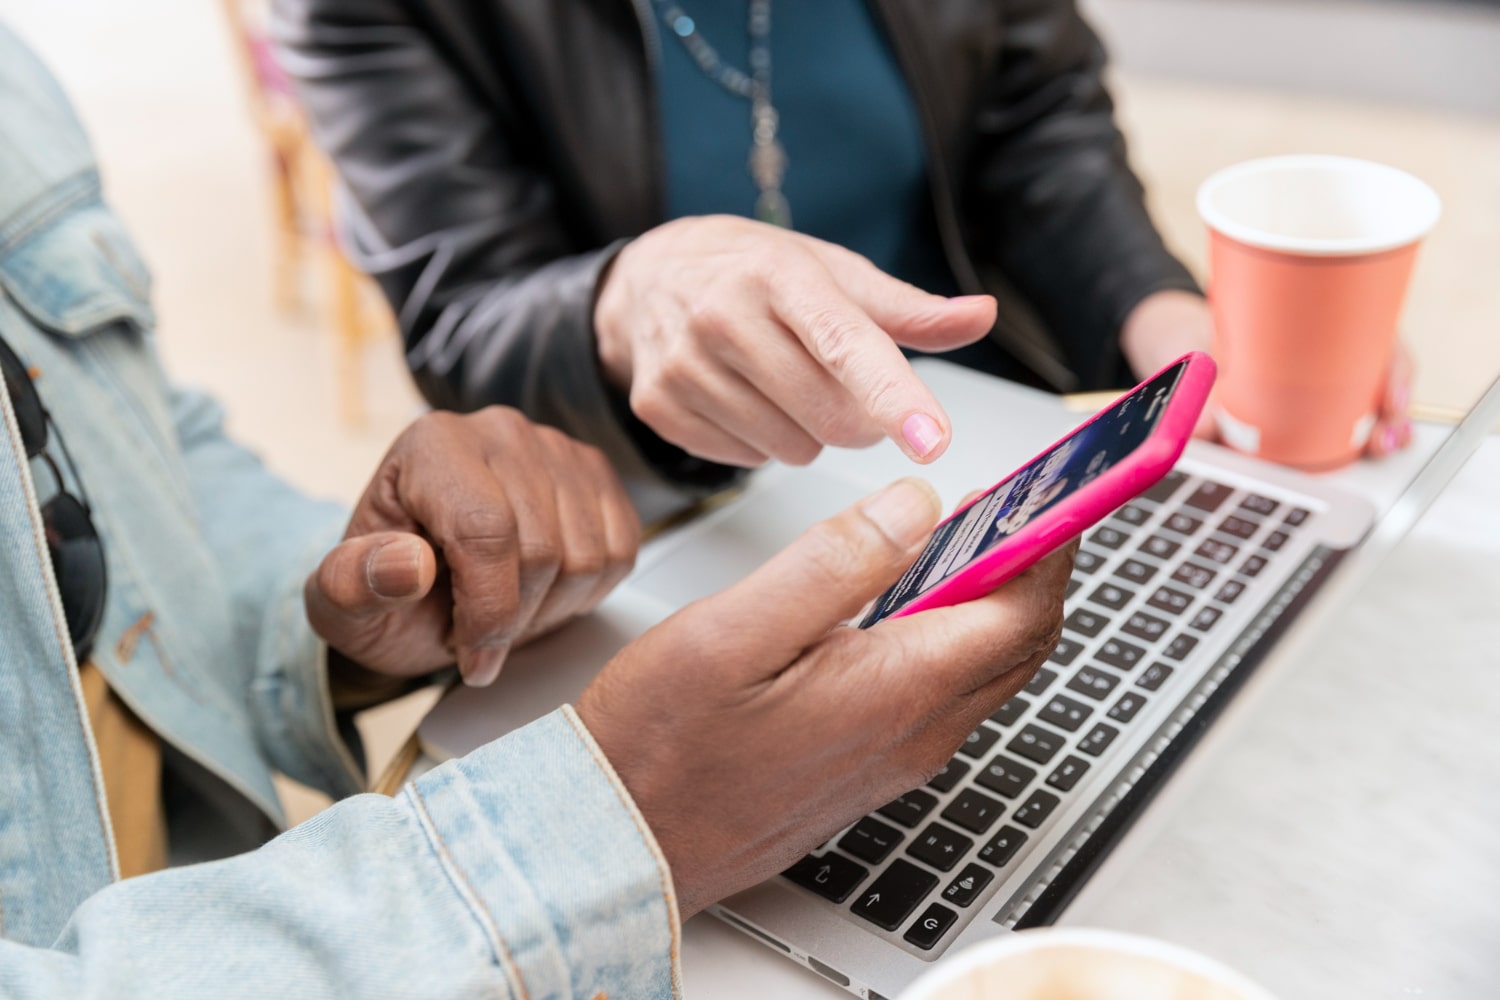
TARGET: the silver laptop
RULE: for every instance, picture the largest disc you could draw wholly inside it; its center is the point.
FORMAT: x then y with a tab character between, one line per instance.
1175	600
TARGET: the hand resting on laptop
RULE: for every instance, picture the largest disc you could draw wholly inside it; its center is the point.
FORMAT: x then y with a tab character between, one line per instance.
749	728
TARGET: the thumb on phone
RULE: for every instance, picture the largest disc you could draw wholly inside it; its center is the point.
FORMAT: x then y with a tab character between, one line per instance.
831	571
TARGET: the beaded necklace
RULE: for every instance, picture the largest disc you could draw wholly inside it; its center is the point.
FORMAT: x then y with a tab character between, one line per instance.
768	160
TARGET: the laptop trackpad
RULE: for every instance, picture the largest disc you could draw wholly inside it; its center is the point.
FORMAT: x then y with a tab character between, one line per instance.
722	548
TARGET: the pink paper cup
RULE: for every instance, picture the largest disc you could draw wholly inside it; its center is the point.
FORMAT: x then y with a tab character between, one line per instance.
1309	262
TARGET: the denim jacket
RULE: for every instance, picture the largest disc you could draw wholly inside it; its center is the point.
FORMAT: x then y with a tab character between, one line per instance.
479	879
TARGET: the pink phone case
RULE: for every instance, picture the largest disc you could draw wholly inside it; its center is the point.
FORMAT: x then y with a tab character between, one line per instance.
1133	475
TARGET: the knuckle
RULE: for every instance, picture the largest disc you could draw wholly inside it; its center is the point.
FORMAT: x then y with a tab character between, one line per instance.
836	335
539	556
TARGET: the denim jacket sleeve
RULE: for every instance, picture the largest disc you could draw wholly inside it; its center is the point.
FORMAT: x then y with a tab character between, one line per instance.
267	537
523	870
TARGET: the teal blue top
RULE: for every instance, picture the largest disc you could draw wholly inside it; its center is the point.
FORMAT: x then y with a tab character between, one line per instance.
857	163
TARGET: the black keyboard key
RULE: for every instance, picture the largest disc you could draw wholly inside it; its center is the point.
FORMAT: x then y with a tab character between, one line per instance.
891	897
1133	513
930	926
1180	646
979	742
1093	682
1230	592
1064	713
910	809
1216	551
948	778
1086	622
1036	744
1035	810
1111	596
1086	561
1066	652
1264	506
1209	497
1098	739
1144	626
1108	536
1007	777
870	840
1127	707
1183	524
1040	682
974	811
1253	566
1120	654
1167	599
966	888
1154	676
939	846
1239	527
1010	713
1298	516
1275	540
1165	487
1134	571
1161	547
1002	846
1068	773
1193	575
1206	618
831	876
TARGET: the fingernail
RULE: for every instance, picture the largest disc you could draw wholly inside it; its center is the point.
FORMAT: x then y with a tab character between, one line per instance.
904	511
1406	432
486	665
963	300
395	569
1402	397
1388	439
922	433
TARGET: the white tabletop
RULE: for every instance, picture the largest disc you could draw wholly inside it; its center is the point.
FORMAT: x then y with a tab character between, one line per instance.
1339	836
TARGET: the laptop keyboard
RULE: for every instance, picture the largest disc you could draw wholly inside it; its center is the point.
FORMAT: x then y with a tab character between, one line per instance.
1150	583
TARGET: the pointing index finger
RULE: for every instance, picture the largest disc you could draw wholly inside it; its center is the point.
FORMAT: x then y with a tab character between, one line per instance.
861	356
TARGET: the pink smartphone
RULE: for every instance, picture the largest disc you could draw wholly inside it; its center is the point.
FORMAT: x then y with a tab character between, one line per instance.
1118	454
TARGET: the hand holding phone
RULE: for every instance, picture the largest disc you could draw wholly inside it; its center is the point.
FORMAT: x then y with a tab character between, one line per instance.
1118	454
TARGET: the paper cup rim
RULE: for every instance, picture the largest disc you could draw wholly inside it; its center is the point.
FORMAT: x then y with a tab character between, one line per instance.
951	969
1428	211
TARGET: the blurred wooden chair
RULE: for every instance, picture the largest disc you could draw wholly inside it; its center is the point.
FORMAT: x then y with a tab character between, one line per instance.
302	186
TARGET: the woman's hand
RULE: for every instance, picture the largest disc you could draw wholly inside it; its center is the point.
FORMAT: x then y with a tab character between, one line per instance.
741	342
1166	325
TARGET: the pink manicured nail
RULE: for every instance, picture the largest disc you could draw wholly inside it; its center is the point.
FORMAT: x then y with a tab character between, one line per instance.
922	433
1406	431
1388	440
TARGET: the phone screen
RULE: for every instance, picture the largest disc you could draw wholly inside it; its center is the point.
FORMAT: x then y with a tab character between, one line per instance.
1067	467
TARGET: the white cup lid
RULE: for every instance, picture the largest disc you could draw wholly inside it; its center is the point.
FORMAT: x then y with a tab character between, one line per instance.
1318	205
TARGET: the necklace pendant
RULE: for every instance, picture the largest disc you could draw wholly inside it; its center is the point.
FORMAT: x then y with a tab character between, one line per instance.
772	207
768	164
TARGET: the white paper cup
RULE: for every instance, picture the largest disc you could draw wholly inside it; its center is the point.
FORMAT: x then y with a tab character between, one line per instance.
1057	963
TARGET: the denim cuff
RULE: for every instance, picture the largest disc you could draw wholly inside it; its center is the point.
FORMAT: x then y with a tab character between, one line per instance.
545	847
296	714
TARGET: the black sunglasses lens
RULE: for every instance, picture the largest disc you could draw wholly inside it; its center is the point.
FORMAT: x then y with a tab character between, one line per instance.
78	563
25	401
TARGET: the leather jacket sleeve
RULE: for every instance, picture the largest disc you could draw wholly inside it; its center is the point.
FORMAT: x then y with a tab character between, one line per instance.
465	235
1053	203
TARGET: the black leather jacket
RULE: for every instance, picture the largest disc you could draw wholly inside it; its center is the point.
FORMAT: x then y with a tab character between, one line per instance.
498	152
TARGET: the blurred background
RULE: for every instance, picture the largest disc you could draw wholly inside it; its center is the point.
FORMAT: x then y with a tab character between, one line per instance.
187	123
